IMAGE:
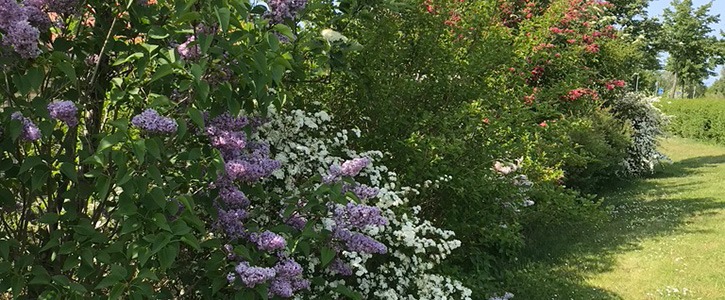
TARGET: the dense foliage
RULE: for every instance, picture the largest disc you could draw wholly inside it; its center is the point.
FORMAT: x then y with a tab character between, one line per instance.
321	150
700	119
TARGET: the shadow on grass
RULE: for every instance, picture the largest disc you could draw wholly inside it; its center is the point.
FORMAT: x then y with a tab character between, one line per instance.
557	260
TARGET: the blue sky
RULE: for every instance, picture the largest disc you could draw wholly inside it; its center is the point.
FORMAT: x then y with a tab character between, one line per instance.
656	7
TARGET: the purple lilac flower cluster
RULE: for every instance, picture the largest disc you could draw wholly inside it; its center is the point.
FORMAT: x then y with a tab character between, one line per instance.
358	216
252	276
67	7
20	27
281	10
64	111
268	241
248	161
288	280
150	121
30	131
349	168
187	51
244	162
362	191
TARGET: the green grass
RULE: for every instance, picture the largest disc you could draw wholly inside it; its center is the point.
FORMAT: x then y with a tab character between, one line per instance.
665	238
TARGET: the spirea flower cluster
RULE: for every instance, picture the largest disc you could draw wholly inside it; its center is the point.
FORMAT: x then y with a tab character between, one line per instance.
647	122
64	111
281	10
150	121
30	132
304	144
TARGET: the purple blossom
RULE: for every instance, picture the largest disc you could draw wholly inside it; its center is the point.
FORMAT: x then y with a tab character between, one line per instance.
36	16
10	13
354	166
187	51
231	277
358	216
340	267
63	6
297	221
30	131
233	197
150	121
359	242
288	268
23	37
348	168
232	222
251	276
268	241
288	280
35	3
281	10
362	191
281	287
64	111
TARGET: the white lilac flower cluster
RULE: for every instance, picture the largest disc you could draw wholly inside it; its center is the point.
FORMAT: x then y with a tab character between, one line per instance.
647	123
306	144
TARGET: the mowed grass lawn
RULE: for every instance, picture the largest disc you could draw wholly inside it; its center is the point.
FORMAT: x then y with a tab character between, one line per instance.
665	238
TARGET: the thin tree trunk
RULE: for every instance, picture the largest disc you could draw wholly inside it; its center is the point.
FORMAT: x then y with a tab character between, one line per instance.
674	87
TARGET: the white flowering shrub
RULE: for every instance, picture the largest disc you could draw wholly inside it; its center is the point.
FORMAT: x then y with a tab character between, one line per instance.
647	123
306	144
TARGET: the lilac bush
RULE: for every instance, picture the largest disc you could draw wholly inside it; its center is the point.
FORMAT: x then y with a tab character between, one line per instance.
170	179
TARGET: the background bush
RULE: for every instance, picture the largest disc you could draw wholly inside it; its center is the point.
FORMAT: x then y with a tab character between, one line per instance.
700	119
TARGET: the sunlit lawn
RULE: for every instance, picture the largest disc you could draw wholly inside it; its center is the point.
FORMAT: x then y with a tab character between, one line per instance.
665	240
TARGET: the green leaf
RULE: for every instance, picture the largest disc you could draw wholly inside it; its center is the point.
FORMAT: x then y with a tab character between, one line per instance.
4	249
129	58
158	33
39	179
35	78
262	291
168	254
156	176
153	148
202	90
48	218
110	140
62	280
69	170
326	256
162	71
139	150
196	117
41	276
29	163
192	241
161	222
284	30
116	291
346	291
147	274
223	14
68	70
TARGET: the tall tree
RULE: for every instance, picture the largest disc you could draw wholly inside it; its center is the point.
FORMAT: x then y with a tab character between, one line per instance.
693	52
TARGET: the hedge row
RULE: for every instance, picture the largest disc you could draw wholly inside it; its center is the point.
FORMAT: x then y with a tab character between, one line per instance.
701	119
